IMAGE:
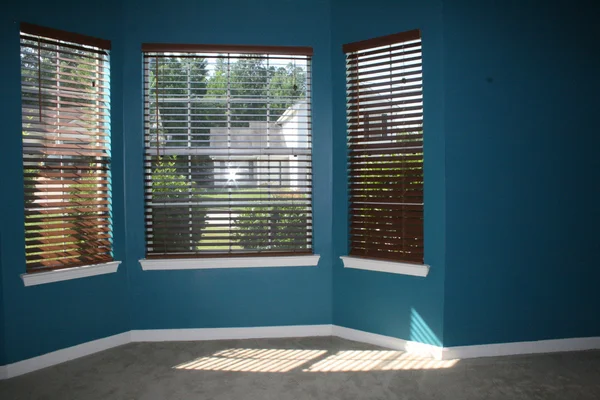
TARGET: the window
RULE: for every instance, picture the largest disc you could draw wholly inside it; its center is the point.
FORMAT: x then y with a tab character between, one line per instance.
227	150
385	147
66	148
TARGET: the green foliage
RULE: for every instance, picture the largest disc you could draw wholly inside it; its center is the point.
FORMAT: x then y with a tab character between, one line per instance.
180	196
168	184
64	77
273	227
251	78
184	80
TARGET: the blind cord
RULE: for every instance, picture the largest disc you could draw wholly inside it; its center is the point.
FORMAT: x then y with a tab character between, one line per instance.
157	113
40	77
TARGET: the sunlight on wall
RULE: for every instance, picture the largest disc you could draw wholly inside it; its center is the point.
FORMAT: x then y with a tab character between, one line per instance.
253	360
420	331
282	360
376	360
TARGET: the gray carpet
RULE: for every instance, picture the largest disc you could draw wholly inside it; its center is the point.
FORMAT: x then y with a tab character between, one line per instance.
306	368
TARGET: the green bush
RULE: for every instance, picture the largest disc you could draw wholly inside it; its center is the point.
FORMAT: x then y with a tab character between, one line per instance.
171	230
279	228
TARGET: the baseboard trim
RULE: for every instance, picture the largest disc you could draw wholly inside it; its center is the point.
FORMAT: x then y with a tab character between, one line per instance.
63	355
517	348
389	342
474	351
264	332
259	332
159	335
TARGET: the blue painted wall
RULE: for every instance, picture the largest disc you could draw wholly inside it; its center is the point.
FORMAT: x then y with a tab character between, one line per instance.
2	322
45	318
49	317
522	170
395	305
229	297
510	178
41	319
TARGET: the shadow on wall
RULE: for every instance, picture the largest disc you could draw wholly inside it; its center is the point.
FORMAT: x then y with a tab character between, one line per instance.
420	331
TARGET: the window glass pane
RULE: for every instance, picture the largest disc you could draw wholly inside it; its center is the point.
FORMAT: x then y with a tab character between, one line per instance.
385	147
228	154
66	153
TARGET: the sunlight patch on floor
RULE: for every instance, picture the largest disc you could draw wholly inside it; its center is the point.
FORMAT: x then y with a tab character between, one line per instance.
252	360
376	360
285	360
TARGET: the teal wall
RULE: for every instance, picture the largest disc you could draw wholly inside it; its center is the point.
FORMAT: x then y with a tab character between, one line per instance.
41	319
396	305
229	297
2	321
45	318
511	176
522	170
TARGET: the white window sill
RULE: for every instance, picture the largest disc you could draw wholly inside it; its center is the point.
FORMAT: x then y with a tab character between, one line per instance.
386	266
229	262
40	278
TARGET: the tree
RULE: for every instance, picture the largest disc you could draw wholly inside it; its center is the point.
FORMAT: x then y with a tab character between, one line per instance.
273	227
255	87
173	195
180	84
179	118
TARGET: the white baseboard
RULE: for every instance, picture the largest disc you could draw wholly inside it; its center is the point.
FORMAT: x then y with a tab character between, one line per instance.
260	332
475	351
389	342
60	356
264	332
159	335
516	348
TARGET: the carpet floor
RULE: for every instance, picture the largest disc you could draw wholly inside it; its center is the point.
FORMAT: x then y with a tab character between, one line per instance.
304	368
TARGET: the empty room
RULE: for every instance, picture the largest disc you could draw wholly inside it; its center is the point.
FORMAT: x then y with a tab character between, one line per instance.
283	199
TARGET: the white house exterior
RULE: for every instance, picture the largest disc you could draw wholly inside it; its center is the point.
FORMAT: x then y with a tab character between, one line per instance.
265	144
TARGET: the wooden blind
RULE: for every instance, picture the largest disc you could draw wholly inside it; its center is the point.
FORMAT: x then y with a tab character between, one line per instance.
66	148
228	151
385	147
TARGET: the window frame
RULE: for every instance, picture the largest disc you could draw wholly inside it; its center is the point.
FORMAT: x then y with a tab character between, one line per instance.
89	260
359	137
225	259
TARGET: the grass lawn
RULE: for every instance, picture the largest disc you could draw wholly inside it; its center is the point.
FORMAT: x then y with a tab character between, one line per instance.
209	233
250	193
